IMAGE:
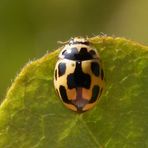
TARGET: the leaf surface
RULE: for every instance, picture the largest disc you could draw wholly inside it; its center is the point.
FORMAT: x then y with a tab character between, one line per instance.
32	116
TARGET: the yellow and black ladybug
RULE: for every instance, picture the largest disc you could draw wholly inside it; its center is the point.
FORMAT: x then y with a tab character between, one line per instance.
79	76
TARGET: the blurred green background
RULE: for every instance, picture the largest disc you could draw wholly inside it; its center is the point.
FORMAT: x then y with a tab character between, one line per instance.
28	28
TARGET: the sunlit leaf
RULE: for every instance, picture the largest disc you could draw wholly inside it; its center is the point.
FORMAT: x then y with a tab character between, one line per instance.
32	116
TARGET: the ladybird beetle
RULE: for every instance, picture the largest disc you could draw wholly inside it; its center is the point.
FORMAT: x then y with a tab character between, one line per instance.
78	75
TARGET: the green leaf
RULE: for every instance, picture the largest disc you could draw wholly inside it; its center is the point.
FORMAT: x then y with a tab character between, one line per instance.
32	116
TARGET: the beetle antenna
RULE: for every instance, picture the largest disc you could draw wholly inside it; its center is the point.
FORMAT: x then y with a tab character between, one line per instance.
61	42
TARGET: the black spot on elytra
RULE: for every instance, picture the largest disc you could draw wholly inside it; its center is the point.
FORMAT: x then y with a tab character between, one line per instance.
61	68
64	94
95	93
70	53
92	52
84	54
102	74
95	68
73	54
78	78
56	74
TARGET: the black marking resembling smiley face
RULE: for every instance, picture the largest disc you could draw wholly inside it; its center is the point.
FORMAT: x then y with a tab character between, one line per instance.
73	54
79	77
